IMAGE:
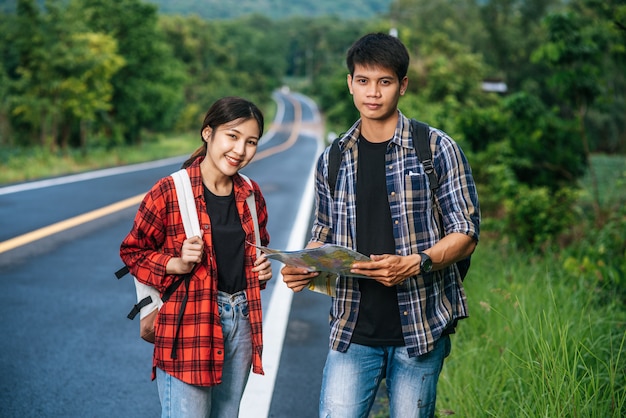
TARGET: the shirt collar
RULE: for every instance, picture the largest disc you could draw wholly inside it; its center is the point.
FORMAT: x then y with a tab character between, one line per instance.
401	136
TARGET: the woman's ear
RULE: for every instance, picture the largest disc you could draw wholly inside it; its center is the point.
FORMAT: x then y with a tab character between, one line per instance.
206	133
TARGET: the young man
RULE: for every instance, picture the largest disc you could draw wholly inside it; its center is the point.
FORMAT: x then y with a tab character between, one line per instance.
396	323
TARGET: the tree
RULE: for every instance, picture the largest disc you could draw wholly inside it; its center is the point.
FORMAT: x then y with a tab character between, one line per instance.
91	63
63	73
30	100
147	91
577	52
206	50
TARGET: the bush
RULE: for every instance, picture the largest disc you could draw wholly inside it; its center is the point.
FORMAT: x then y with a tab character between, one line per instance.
536	216
600	258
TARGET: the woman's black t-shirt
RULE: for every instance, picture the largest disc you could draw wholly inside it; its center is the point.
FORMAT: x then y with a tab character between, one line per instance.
228	241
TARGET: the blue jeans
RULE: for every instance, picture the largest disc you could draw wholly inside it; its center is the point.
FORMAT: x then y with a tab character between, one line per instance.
351	380
181	400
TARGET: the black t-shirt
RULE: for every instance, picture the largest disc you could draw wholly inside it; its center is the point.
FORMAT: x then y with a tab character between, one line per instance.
379	316
228	241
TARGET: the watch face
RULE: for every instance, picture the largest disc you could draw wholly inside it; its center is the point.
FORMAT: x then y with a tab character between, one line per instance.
426	264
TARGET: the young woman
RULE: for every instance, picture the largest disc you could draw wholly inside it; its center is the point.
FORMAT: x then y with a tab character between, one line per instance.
202	360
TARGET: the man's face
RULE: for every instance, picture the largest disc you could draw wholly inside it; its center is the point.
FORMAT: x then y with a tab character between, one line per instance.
376	91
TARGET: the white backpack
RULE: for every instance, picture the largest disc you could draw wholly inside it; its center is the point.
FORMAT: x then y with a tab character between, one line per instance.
149	300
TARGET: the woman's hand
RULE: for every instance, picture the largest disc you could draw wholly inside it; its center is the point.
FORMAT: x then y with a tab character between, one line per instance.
190	254
264	267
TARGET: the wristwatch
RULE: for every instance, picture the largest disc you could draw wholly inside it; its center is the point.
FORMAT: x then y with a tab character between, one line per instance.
426	264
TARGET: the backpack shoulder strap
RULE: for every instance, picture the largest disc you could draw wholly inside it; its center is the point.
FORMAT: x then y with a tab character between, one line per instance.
188	211
334	159
421	142
187	203
250	200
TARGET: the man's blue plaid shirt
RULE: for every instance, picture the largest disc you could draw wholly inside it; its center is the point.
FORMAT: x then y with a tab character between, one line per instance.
429	304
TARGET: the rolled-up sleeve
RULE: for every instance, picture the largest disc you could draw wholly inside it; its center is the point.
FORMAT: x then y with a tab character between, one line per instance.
457	195
322	223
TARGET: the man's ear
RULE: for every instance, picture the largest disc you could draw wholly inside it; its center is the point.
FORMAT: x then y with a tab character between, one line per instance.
403	85
349	79
206	133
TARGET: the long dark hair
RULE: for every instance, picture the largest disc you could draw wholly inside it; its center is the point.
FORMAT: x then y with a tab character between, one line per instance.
226	110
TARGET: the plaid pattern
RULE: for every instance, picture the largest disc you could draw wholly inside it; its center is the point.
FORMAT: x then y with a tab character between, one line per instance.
157	235
429	304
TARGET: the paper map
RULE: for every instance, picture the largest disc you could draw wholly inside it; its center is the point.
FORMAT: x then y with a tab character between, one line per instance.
328	257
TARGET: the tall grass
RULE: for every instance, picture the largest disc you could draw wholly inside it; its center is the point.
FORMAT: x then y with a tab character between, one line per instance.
536	345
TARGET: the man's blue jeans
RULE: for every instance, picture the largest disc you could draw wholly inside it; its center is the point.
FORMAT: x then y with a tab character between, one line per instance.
181	400
351	380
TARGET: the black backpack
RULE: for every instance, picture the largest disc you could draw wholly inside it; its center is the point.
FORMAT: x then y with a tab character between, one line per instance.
421	135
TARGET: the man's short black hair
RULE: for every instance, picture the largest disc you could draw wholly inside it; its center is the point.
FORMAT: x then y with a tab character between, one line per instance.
379	50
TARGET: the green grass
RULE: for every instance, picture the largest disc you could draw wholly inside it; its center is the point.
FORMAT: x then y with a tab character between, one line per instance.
23	164
537	344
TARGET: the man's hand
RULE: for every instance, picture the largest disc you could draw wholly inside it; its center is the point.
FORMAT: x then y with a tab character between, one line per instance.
297	278
388	269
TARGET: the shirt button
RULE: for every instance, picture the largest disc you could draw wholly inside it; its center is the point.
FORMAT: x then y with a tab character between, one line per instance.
405	313
205	226
219	352
396	222
393	193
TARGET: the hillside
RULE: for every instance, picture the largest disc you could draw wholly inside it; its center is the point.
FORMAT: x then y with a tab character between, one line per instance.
275	9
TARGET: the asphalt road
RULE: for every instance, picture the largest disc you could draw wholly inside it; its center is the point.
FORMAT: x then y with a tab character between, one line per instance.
67	348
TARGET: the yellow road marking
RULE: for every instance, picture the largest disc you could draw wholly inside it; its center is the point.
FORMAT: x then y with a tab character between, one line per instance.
123	204
68	223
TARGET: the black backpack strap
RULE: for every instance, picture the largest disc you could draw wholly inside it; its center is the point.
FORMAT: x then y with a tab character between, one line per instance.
421	142
122	272
334	159
186	278
137	307
148	300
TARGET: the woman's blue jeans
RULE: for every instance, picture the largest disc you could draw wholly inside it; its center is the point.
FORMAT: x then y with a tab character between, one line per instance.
181	400
351	380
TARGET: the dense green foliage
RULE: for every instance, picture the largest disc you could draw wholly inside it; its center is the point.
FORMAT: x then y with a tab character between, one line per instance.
275	9
74	78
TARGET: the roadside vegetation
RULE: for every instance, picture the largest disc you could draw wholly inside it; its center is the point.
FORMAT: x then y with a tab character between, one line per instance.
32	163
546	335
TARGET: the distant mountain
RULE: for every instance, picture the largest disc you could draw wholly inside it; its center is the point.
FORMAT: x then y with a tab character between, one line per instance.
274	9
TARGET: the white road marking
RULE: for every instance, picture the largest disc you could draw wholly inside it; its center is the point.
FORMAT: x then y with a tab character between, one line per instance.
257	397
89	175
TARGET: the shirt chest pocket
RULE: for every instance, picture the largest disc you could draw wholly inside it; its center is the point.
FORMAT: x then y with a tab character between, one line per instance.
417	191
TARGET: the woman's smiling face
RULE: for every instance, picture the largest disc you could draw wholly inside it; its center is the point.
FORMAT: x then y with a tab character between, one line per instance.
231	146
